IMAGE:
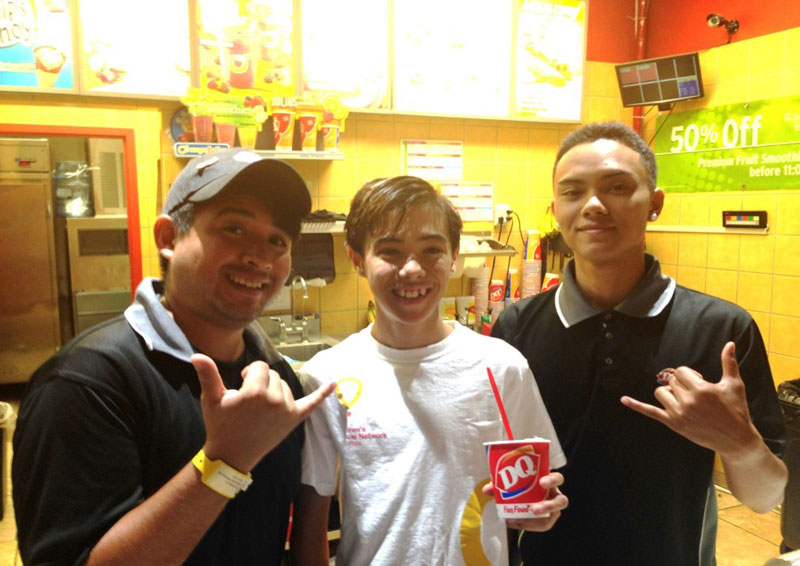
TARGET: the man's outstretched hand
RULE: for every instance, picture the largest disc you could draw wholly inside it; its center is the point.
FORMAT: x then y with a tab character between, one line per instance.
713	415
244	425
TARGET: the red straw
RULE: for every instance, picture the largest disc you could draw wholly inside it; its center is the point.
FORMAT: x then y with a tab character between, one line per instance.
500	404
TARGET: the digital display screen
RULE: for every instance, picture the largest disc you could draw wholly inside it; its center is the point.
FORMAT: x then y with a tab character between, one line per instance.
659	81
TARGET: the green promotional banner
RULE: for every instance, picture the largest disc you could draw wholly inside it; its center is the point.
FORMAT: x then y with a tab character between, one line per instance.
747	146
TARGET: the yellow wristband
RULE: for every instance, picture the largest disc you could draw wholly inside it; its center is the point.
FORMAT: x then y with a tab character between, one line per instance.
221	477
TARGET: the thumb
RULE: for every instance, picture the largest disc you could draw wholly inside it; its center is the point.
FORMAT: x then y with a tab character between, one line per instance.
211	387
730	367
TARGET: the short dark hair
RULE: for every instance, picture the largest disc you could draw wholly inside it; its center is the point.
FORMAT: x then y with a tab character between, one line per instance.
618	132
182	218
379	197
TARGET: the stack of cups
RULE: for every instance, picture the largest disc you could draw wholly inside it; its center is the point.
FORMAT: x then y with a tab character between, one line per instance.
532	268
480	290
496	296
531	277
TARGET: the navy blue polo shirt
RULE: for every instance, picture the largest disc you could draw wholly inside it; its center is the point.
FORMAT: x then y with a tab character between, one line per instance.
114	416
639	493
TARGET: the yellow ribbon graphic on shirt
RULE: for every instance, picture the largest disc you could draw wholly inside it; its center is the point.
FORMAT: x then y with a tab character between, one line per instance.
471	547
348	390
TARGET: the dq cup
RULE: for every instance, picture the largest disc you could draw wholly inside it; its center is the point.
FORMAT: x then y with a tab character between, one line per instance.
283	127
550	280
515	468
309	122
497	290
330	136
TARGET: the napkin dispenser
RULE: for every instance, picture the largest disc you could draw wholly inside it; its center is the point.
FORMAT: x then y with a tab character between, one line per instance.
312	257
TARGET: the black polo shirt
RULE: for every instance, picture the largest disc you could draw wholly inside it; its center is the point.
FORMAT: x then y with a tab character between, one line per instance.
638	491
114	416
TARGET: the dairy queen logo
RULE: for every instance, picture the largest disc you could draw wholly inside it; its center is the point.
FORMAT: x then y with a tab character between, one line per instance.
665	375
516	472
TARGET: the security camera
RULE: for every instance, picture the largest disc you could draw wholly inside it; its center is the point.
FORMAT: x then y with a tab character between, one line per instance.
715	21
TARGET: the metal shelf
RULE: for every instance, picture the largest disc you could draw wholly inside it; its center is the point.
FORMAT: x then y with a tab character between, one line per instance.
192	149
331	227
496	249
489	253
317	155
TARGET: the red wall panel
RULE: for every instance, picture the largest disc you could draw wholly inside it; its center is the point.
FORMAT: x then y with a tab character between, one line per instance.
679	26
609	34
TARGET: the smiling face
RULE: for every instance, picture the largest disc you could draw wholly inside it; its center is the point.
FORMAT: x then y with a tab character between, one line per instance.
226	267
407	266
602	203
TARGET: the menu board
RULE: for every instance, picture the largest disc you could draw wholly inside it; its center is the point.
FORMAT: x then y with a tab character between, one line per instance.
452	57
36	45
246	46
549	59
342	55
142	48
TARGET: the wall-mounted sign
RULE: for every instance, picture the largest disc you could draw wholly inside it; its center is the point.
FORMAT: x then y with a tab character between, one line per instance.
452	57
473	201
433	160
246	48
135	51
36	45
549	59
752	146
336	58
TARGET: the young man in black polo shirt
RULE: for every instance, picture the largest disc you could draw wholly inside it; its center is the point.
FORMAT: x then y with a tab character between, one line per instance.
644	379
134	440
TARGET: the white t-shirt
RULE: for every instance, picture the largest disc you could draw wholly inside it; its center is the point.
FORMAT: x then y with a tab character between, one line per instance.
406	428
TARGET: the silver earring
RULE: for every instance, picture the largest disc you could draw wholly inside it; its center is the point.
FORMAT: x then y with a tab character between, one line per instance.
654	216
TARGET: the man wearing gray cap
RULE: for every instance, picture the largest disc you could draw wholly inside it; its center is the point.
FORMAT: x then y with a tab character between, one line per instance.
136	442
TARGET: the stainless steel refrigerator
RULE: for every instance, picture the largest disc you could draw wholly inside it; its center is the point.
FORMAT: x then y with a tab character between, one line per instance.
29	313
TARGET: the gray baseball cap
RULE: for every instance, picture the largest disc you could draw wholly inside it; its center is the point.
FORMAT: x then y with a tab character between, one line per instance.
238	170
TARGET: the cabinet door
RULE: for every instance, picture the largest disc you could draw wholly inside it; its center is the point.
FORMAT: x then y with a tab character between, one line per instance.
29	327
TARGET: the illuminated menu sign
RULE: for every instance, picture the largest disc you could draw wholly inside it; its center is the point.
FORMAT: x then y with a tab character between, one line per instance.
36	45
335	59
246	48
135	51
452	57
549	59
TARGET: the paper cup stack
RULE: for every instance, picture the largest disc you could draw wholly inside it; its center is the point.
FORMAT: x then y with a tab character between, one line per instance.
480	290
531	277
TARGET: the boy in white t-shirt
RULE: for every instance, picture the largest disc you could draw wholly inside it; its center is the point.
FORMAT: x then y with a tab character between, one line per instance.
403	438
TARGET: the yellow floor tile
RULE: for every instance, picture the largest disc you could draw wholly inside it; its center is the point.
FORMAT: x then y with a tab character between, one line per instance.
737	547
766	526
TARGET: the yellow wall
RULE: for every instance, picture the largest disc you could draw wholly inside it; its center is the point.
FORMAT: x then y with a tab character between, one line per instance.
516	156
758	272
761	273
143	118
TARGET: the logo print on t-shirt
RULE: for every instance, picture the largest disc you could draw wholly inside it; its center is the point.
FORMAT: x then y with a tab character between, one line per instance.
348	390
